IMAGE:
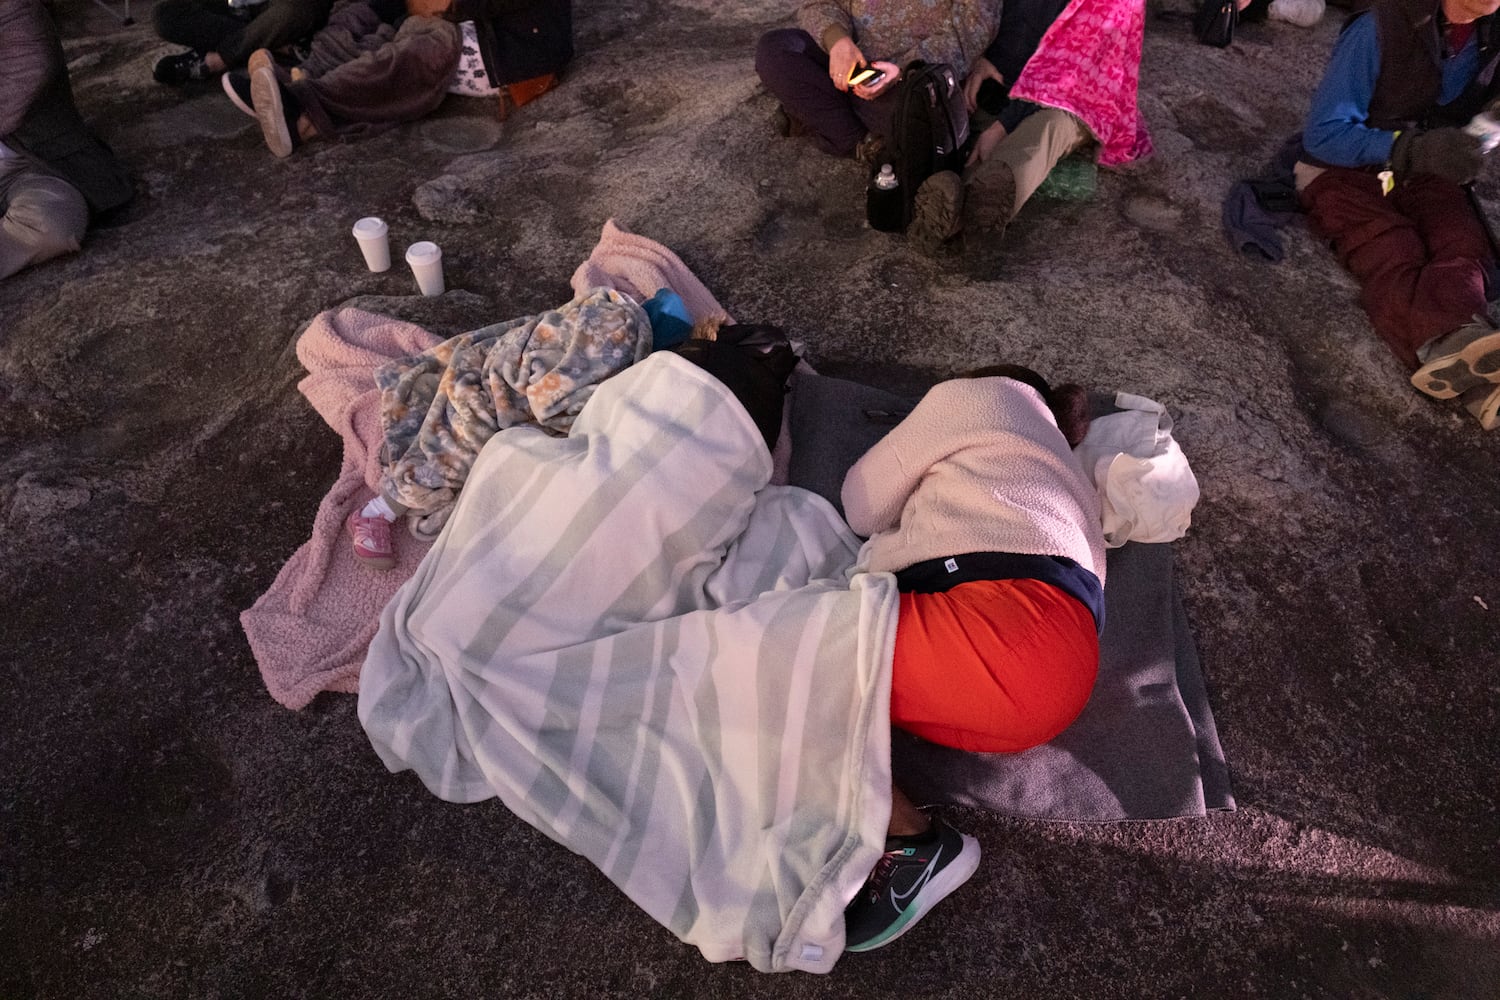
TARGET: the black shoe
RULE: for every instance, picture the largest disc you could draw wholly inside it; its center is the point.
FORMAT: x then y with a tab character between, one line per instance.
913	876
236	84
176	70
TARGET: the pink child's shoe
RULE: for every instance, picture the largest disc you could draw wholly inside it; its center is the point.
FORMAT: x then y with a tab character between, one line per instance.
372	541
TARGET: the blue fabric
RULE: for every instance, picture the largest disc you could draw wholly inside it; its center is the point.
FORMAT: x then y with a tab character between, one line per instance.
671	323
1336	132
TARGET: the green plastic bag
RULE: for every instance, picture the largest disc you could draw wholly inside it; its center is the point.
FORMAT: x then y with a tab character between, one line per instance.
1075	178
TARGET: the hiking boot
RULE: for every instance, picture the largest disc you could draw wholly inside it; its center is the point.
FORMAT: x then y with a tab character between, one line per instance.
937	211
870	151
1460	361
913	876
236	84
1484	402
372	541
786	125
276	109
988	207
991	201
176	70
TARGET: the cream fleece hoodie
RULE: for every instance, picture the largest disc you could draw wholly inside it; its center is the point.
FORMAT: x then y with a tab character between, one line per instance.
978	466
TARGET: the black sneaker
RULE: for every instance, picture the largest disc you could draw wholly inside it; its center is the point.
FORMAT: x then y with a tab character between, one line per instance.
176	70
913	876
236	84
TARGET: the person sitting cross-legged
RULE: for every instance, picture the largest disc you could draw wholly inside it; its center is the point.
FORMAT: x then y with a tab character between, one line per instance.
55	175
808	68
221	35
1385	161
379	63
1064	75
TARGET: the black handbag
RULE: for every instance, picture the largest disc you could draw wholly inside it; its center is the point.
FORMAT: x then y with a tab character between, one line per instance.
1214	23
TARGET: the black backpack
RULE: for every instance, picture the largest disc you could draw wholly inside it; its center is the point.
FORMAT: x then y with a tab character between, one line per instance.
928	129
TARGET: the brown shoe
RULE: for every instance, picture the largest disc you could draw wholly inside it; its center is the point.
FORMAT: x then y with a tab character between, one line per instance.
991	201
1483	401
870	151
937	212
1460	361
786	125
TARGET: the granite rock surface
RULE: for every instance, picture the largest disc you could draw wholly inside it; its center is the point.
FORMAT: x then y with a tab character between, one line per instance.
166	830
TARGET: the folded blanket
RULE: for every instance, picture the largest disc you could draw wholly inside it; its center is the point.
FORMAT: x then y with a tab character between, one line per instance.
441	406
656	659
310	629
639	267
1089	64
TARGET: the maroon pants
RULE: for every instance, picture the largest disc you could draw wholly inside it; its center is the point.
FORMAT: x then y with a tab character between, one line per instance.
366	77
794	68
1420	253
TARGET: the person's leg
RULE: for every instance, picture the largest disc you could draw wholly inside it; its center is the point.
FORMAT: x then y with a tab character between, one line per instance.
352	30
401	81
203	26
44	216
199	24
794	69
925	860
279	23
1021	161
1411	296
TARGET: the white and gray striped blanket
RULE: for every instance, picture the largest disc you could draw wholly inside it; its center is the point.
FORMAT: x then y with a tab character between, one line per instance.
658	660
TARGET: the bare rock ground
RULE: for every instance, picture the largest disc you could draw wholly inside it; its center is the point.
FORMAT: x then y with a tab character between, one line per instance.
166	830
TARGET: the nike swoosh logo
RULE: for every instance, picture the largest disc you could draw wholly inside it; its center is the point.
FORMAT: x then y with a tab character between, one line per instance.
900	898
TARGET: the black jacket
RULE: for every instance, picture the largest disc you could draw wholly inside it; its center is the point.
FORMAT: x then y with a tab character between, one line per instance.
37	113
519	39
1411	59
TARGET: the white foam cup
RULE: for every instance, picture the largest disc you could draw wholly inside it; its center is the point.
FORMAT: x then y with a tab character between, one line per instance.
426	262
374	242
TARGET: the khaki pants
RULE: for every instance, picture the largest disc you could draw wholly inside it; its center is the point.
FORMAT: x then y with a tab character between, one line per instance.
1033	149
44	215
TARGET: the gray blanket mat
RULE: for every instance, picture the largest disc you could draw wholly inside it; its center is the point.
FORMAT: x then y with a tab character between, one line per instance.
1145	746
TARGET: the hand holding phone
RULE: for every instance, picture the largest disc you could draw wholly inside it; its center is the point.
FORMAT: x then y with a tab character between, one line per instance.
868	83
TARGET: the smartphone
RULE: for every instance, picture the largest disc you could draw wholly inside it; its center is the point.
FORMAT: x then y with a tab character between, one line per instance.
866	76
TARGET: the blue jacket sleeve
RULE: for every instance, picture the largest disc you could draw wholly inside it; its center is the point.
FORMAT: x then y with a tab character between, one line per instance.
1336	132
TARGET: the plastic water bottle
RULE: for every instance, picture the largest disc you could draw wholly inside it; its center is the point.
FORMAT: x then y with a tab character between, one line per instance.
883	201
1486	129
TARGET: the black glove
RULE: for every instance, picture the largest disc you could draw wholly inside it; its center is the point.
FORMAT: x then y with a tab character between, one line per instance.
1449	153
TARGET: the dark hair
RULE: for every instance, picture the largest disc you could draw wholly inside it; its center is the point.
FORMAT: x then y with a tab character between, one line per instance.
1069	403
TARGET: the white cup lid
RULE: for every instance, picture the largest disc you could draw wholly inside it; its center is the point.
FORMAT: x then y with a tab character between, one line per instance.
423	252
370	226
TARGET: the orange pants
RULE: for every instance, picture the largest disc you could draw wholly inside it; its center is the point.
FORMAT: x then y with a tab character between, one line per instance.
992	666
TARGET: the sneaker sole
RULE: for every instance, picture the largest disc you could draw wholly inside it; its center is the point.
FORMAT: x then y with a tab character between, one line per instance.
937	212
1455	374
265	92
234	98
941	886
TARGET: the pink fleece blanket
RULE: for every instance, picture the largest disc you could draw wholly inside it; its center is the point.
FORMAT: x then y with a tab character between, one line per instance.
1089	64
309	632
